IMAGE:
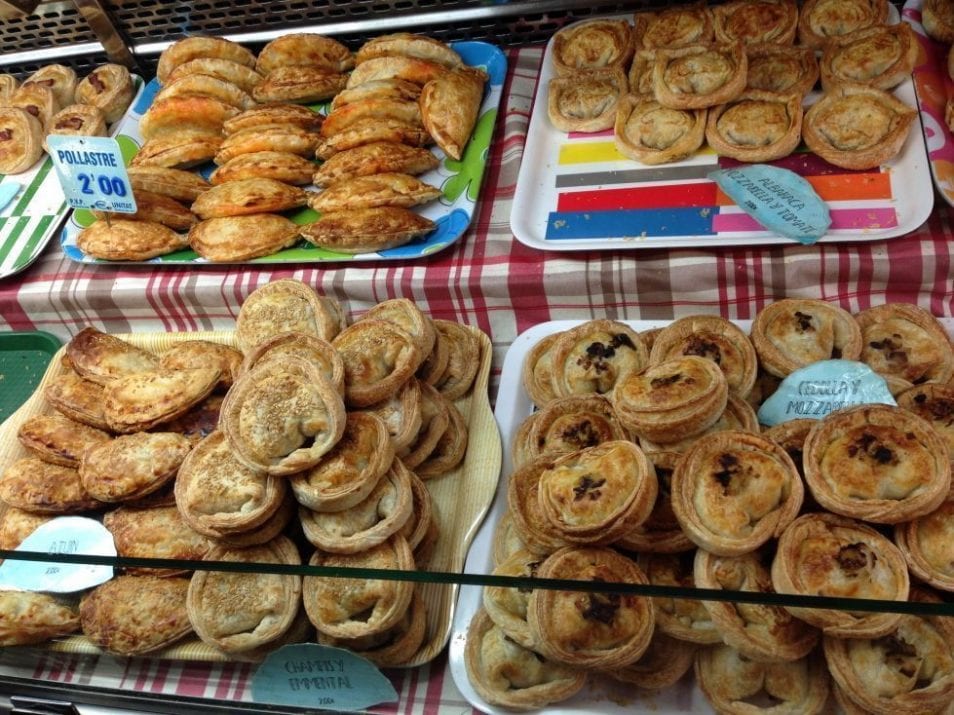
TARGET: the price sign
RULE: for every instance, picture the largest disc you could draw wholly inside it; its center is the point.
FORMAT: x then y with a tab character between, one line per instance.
92	173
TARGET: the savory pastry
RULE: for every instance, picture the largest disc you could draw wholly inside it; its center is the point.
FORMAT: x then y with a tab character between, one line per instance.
191	48
419	528
435	419
267	531
238	611
585	102
27	617
756	126
463	361
8	85
408	45
730	681
353	607
857	127
411	69
379	357
529	522
595	356
39	487
660	533
673	27
738	415
506	542
276	165
790	436
733	491
304	85
374	158
650	133
21	140
269	115
928	546
135	615
59	440
208	86
781	68
204	353
568	424
110	88
370	130
102	358
278	137
377	89
592	45
507	607
241	75
406	315
185	113
366	230
671	400
699	76
77	398
591	630
937	17
681	618
881	56
752	21
640	77
505	673
77	120
934	403
241	238
661	666
906	345
304	49
402	414
820	20
372	191
878	463
132	466
450	449
299	344
146	399
178	151
537	371
283	306
155	533
128	240
248	196
402	110
218	496
763	633
155	209
823	554
792	333
283	418
38	100
17	524
450	105
200	421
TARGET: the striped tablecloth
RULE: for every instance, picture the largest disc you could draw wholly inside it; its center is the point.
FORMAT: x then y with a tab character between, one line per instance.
489	280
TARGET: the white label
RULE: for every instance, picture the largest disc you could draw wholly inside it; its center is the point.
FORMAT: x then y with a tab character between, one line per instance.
92	173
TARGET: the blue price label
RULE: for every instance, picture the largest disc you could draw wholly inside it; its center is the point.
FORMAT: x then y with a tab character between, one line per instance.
92	173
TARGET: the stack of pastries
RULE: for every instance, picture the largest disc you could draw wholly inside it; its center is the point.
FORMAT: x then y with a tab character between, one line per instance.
388	103
731	76
53	100
644	462
310	437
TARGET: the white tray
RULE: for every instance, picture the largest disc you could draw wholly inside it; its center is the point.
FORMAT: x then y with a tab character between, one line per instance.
593	181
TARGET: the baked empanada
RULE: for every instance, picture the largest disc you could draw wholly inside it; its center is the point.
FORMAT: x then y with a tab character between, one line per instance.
275	114
751	21
59	440
60	78
204	353
78	120
155	533
367	230
368	130
781	68
699	76
178	151
414	70
175	183
756	126
240	238
248	196
379	357
102	358
408	45
304	49
78	399
308	346
155	208
145	399
398	109
405	314
108	87
673	27
375	158
585	102
126	240
277	165
281	137
16	525
190	48
27	618
185	113
132	465
462	362
21	140
399	89
299	84
374	190
238	74
43	488
820	20
449	107
208	86
880	56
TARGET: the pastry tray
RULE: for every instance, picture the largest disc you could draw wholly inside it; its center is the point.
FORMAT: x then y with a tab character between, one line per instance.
577	192
31	219
461	498
933	87
459	182
601	695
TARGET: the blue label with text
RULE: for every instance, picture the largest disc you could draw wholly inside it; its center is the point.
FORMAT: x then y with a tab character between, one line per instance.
92	173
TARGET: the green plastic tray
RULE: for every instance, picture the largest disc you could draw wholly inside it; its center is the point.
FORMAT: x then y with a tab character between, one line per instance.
23	361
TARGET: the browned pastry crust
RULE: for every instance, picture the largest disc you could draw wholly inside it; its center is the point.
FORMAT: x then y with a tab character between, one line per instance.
135	615
132	466
827	555
21	140
450	104
820	20
248	196
640	77
370	130
463	360
529	522
276	165
366	230
928	546
754	21
423	516
77	120
58	439
571	423
265	532
304	49
592	45
408	45
662	665
199	422
370	191
756	126
935	403
881	56
450	449
592	630
128	240
506	540
275	115
402	414
155	533
238	74
273	137
781	68
411	69
154	209
27	618
60	78
240	238
507	607
43	488
406	315
738	415
506	674
791	436
937	17
102	358
537	371
660	532
402	110
108	87
194	47
674	27
681	618
204	353
209	86
435	418
38	100
303	345
185	112
650	133
399	89
178	151
284	306
585	102
174	183
596	356
379	357
145	399
304	85
8	85
17	524
374	158
699	76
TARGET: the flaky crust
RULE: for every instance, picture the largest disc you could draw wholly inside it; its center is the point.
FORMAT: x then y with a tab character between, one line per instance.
537	371
662	665
27	618
463	360
178	151
77	120
507	607
237	73
146	399
375	190
881	56
126	240
409	45
366	230
304	345
299	84
592	45
756	21
938	20
277	165
411	69
185	112
17	524
402	414
435	419
60	78
240	238
284	306
175	183
273	137
205	84
660	532
21	140
585	102
155	533
58	439
39	487
699	76
374	158
102	358
150	209
190	48
110	88
596	356
402	110
406	315
928	546
935	403
368	130
781	68
379	357
450	104
647	132
248	196
304	49
275	115
756	126
683	618
132	466
204	353
673	27
820	20
571	423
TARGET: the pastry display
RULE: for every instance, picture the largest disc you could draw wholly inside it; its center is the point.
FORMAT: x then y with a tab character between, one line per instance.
699	76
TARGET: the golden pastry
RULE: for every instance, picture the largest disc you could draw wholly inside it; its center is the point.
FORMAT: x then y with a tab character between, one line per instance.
406	315
423	516
175	183
660	533
374	158
640	77
132	466
204	353
934	403
38	100
937	17
366	230
820	20
408	45
155	209
790	436
680	618
463	361
77	120
435	364
753	21
373	191
16	525
857	127
370	130
781	68
661	666
733	491
928	546
304	85
790	334
275	115
128	240
402	414
285	138
77	398
108	87
435	419
304	49
881	56
699	76
450	449
248	196
275	165
411	69
379	357
827	555
27	618
8	85
673	27
267	531
155	533
208	86
650	133
450	104
506	540
595	356
393	89
178	151
21	140
185	112
190	48
199	422
59	440
402	110
241	75
592	45
39	487
299	344
146	399
738	415
537	371
585	102
529	523
568	424
241	238
282	306
102	358
507	607
756	126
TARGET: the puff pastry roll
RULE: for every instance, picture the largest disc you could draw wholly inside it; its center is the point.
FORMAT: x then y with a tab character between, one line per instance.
410	69
592	45
647	132
367	230
77	120
21	140
640	78
585	102
683	618
660	533
409	45
880	56
304	49
8	85
661	666
928	546
781	68
752	21
60	78
126	240
673	27
374	158
935	403
699	76
595	356
569	424
108	87
756	126
208	86
306	345
406	315
820	20
38	100
304	85
379	358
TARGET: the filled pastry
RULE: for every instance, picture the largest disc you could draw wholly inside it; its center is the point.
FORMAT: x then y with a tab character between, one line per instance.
60	78
77	120
27	617
640	77
306	345
568	424
409	45
402	414
304	85
537	371
585	102
928	546
410	69
450	449
155	533
181	150
374	158
699	76
435	419
191	48
103	358
660	533
132	466
366	230
401	110
78	399
58	439
185	113
379	357
16	525
752	21
406	315
592	45
935	403
756	126
8	85
738	415
279	137
596	356
881	56
264	117
507	607
125	240
204	353
110	88
529	522
143	400
240	238
248	196
682	618
283	306
304	49
369	130
781	68
374	190
673	27
937	17
650	133
39	487
661	666
208	86
819	20
276	165
394	89
239	74
156	209
38	100
462	361
450	105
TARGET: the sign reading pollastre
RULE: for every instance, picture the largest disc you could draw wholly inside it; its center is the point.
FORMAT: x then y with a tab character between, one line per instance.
92	173
779	199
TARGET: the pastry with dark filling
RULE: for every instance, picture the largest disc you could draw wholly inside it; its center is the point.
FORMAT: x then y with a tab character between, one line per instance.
756	126
585	102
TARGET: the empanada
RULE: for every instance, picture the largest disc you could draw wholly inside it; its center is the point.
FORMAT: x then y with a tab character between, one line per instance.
208	86
304	49
132	465
175	183
204	353
238	74
299	84
278	165
367	230
449	107
377	89
240	238
125	240
699	76
155	533
820	20
408	45
191	48
178	151
43	488
248	196
60	78
77	398
21	140
27	617
673	27
398	109
109	87
59	440
275	114
268	138
375	158
368	130
146	399
156	208
102	358
414	70
185	113
374	190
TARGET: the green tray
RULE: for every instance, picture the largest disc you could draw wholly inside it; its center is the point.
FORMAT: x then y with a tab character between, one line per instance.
23	361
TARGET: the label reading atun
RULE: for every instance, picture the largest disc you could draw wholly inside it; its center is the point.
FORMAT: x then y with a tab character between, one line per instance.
92	173
819	389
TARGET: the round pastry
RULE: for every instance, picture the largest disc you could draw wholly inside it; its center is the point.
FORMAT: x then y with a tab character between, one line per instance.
537	371
820	20
671	400
265	532
881	56
660	533
571	423
878	463
592	45
133	465
450	449
733	491
463	361
506	540
680	618
674	27
857	127
423	516
738	415
520	446
304	345
767	634
752	21
285	306
402	414
277	165
756	126
650	133
143	400
191	48
596	356
928	546
934	403
77	120
529	522
506	674
507	607
110	88
827	555
155	533
436	362
791	436
661	666
781	68
585	102
379	357
204	353
792	333
304	49
408	45
37	99
405	314
591	630
21	140
699	76
58	439
937	17
60	78
730	682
